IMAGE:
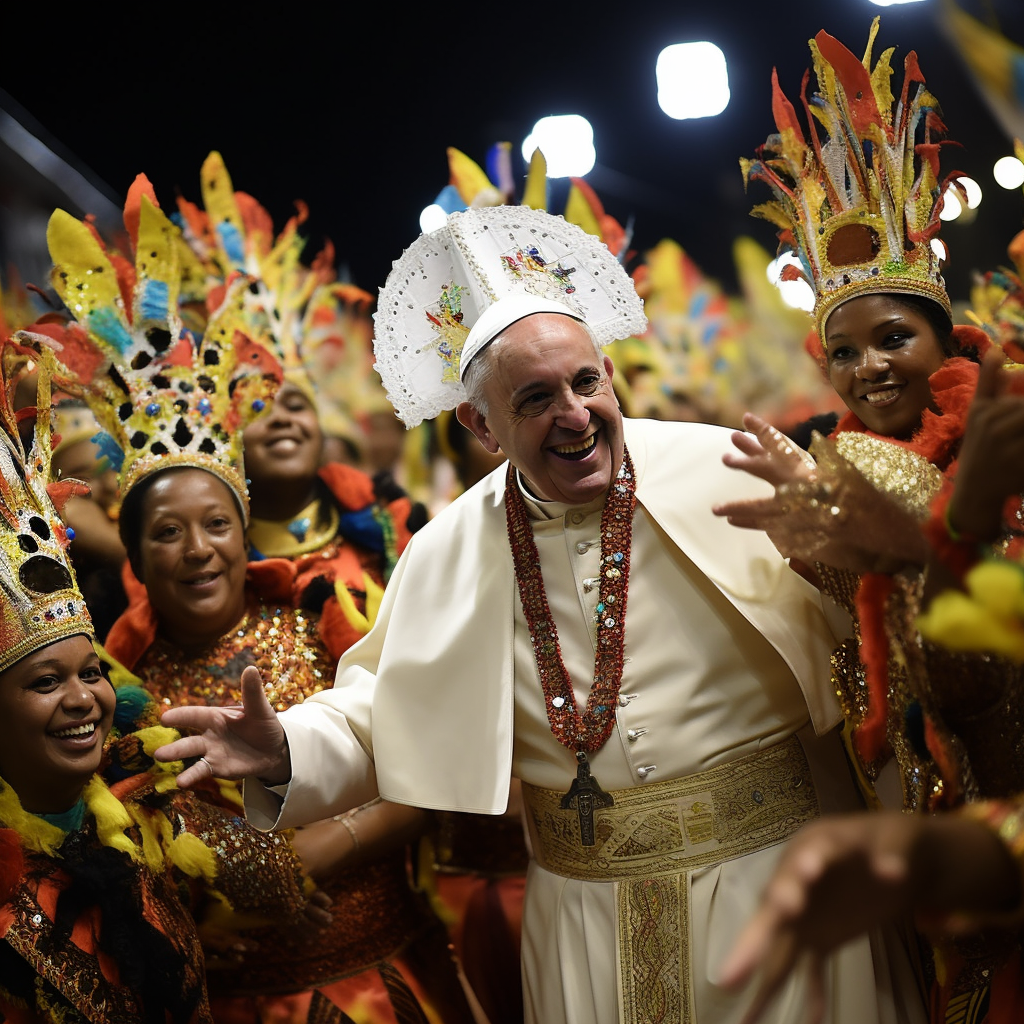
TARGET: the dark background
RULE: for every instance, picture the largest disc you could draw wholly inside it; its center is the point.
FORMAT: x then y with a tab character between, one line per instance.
352	111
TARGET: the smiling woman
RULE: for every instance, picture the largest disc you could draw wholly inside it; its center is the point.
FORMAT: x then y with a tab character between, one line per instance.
64	706
928	730
106	867
199	615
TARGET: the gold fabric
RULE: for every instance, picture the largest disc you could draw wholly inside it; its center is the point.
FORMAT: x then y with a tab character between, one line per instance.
652	837
680	824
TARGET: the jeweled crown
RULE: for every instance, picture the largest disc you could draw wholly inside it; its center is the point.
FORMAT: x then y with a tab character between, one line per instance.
40	595
859	207
165	397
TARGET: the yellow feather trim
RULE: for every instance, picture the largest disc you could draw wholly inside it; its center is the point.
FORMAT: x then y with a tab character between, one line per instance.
989	617
355	617
112	819
37	835
153	830
192	856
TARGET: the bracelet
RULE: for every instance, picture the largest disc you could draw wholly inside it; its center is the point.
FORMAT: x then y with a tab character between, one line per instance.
346	821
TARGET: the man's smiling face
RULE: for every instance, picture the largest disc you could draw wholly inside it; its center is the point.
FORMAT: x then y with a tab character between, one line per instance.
551	409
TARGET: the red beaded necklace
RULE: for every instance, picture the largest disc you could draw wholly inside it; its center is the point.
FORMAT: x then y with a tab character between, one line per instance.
589	731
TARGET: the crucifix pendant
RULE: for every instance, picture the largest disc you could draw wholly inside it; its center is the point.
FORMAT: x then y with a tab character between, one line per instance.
585	796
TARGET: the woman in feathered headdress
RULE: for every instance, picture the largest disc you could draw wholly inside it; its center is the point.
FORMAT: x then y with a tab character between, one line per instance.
105	865
176	407
860	208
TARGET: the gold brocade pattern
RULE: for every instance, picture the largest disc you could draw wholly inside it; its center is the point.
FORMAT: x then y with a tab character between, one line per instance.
652	837
654	954
681	824
283	643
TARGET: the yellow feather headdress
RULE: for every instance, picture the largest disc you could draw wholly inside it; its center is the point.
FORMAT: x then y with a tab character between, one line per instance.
858	198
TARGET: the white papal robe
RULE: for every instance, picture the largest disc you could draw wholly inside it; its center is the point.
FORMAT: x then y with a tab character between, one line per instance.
726	656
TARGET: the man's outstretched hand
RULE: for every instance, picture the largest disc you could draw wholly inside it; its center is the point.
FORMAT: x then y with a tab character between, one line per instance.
232	742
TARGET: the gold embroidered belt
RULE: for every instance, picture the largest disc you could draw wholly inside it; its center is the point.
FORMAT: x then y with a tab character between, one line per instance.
681	824
651	838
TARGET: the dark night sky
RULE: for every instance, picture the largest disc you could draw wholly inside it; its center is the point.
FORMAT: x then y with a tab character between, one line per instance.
356	122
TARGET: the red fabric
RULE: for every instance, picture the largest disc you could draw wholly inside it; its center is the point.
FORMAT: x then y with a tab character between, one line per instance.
12	863
872	595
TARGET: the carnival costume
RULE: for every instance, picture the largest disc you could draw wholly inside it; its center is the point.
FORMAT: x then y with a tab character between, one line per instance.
699	721
99	905
346	542
860	208
170	400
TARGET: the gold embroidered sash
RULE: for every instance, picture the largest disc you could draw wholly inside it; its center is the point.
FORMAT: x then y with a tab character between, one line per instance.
681	824
648	841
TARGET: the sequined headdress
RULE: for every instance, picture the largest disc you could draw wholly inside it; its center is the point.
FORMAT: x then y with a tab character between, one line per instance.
39	593
457	287
165	397
858	199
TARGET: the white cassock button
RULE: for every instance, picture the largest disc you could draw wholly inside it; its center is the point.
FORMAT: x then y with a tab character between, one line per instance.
646	770
582	547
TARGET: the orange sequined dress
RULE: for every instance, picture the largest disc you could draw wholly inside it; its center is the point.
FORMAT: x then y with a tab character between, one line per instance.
384	959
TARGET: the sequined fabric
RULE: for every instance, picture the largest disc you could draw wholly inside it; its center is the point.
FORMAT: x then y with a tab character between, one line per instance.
971	705
912	481
283	643
375	914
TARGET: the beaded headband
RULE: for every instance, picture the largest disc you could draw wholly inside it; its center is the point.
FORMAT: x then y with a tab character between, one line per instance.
861	206
450	280
165	397
40	596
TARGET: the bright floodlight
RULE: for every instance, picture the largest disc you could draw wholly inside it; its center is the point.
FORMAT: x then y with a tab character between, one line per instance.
567	142
432	218
693	80
798	294
1008	172
889	3
951	205
973	191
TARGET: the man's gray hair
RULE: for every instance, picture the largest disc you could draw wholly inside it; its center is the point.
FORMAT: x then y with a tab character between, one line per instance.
481	367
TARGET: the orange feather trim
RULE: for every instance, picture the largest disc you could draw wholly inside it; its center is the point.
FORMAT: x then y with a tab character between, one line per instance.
872	594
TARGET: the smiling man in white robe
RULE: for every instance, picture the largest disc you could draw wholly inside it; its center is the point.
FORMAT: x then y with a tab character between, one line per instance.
581	621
